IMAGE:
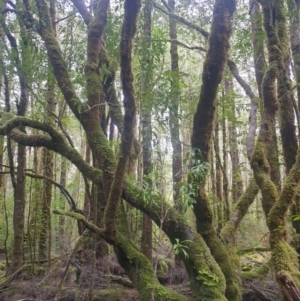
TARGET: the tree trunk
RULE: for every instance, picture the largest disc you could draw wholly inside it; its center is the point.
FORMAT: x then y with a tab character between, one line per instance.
61	224
218	171
174	111
226	206
45	230
236	183
19	187
203	123
146	240
284	258
295	42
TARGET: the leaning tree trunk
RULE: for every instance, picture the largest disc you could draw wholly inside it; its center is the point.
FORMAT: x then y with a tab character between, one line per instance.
204	119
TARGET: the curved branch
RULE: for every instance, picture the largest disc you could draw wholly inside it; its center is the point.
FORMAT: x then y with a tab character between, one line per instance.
228	232
53	141
63	190
182	20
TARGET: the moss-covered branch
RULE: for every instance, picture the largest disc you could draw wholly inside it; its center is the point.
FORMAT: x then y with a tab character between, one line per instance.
176	227
81	218
245	201
115	109
53	141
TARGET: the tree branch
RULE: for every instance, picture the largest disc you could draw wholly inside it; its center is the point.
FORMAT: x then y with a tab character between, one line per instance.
203	32
55	141
82	9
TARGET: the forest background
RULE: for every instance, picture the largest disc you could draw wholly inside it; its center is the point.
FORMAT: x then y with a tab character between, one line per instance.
157	140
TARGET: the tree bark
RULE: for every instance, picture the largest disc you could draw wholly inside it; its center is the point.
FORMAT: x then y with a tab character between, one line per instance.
45	230
236	183
174	111
19	187
146	108
203	123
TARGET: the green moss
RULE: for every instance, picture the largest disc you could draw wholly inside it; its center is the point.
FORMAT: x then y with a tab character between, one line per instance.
284	258
206	272
162	266
141	272
259	273
228	232
111	295
138	267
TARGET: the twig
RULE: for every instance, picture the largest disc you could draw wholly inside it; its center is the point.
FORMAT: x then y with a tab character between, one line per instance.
58	121
72	14
188	47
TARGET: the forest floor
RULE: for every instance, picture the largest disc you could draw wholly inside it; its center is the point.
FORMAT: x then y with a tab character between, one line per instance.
107	286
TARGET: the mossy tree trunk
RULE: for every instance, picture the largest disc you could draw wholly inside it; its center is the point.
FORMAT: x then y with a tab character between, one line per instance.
202	134
146	110
285	94
294	22
286	100
284	258
47	159
19	180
